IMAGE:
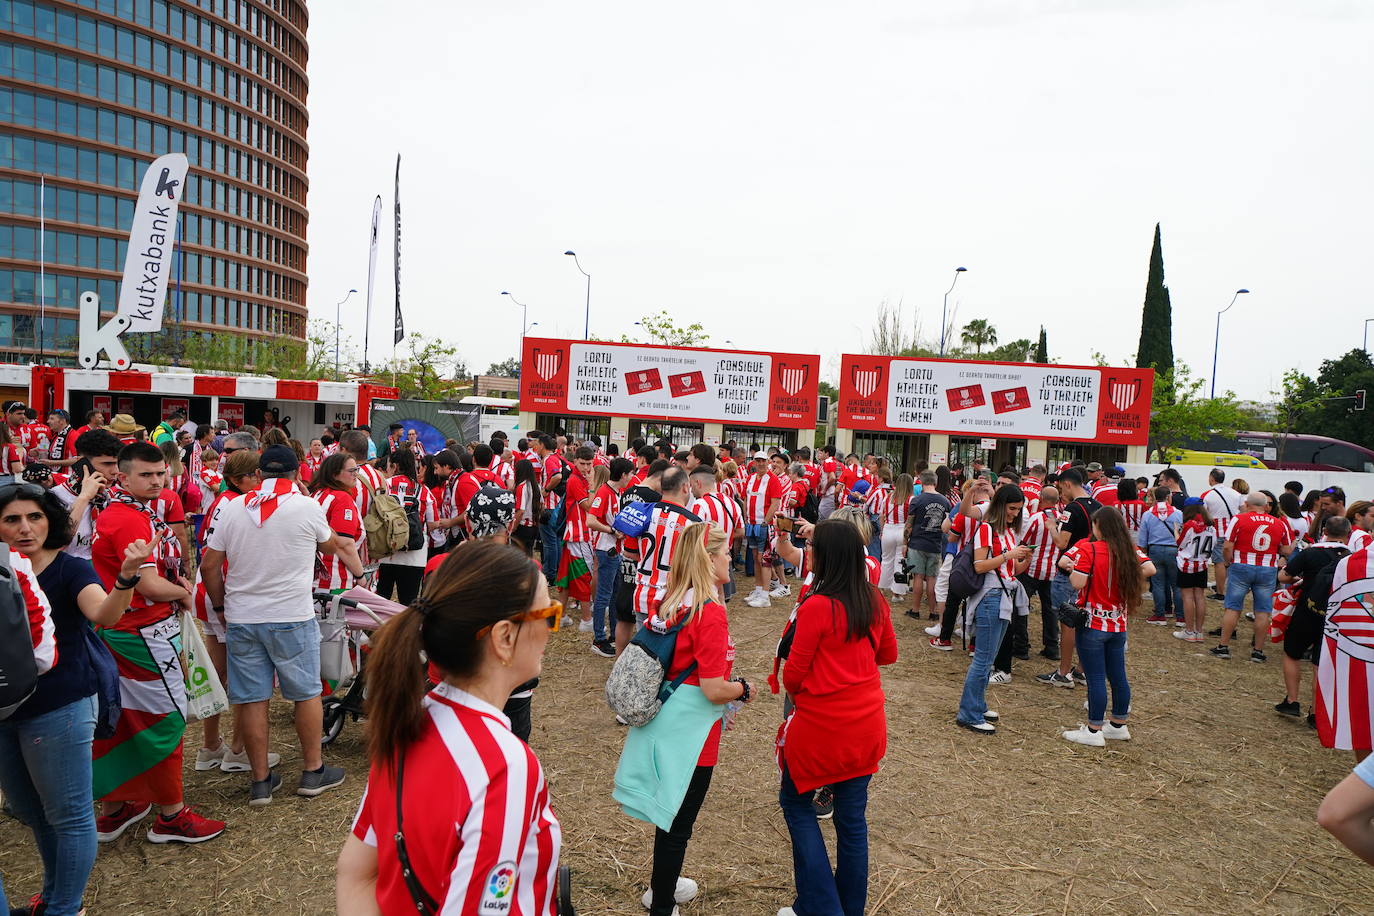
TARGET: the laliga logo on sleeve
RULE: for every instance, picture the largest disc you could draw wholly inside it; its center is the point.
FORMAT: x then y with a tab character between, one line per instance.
496	895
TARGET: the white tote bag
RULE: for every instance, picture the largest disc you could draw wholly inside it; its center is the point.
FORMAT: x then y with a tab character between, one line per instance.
205	696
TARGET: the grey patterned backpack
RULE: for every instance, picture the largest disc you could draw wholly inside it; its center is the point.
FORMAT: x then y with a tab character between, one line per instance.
638	685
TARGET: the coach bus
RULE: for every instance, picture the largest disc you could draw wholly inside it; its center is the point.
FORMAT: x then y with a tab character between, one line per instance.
1295	452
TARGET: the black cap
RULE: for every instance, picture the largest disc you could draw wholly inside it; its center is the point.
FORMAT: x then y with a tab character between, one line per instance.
278	460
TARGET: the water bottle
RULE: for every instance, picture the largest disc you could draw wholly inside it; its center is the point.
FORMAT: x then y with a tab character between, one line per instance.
732	709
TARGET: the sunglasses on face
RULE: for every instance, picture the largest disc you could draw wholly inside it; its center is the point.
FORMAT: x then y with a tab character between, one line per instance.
553	614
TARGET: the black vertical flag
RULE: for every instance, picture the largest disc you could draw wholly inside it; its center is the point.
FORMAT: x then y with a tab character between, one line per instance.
400	323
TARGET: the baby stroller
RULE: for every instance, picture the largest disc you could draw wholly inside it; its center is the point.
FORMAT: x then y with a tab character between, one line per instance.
346	619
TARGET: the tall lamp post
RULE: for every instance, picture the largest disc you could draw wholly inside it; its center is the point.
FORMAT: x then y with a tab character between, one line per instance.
1366	334
338	319
944	309
524	327
1216	344
587	323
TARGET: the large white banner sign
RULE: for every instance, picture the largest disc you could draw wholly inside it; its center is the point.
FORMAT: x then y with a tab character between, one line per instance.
148	263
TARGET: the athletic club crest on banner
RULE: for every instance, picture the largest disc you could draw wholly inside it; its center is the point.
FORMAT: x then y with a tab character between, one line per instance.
792	378
866	381
1123	393
547	363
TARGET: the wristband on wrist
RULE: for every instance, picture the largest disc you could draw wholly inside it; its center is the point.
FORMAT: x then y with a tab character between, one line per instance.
744	686
123	585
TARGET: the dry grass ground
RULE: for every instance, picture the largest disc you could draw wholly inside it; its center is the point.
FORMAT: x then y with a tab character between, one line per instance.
1210	809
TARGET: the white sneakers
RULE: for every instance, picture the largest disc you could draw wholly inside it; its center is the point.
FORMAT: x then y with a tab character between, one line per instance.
584	626
1086	736
781	590
686	890
933	630
238	763
758	598
999	677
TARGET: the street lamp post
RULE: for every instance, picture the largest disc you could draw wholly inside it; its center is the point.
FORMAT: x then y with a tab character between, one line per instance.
1366	334
524	326
338	319
1216	344
587	323
944	309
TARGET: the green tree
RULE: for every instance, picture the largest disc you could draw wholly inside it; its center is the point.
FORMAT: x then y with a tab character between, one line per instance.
1333	414
1179	413
1156	349
1042	347
1018	351
978	334
431	370
509	368
661	329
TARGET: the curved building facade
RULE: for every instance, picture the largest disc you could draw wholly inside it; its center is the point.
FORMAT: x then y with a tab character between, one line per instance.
91	91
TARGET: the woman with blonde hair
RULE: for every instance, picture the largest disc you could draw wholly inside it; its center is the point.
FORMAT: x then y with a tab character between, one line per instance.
679	747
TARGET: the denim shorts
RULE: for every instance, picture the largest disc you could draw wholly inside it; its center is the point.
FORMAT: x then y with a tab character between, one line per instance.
1216	551
756	536
1259	581
258	650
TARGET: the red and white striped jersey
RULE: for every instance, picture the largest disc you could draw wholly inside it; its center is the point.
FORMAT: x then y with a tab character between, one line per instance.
1256	538
793	496
1132	511
527	513
1045	555
1030	488
553	465
878	502
812	475
1098	487
480	832
1195	544
984	538
362	497
656	548
729	488
966	527
1359	540
760	490
42	628
719	510
346	521
403	488
604	507
1344	705
1102	596
576	530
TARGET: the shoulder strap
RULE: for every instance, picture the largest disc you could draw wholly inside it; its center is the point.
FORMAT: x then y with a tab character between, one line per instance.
424	903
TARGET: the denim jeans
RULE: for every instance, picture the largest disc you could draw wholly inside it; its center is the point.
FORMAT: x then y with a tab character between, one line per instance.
1164	590
1259	581
990	628
607	572
552	546
1061	591
1103	657
822	891
45	772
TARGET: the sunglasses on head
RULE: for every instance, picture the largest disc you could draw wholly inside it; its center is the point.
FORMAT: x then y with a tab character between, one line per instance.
21	490
553	614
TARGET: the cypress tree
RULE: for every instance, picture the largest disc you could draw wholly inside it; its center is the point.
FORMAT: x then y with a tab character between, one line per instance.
1042	348
1156	319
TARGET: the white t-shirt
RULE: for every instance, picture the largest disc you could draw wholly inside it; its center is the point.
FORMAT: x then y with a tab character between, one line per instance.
85	531
1222	504
271	574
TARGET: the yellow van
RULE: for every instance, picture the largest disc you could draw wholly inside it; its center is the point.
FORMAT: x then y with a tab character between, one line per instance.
1216	459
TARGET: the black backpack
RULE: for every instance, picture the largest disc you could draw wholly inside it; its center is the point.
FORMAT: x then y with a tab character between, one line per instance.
1318	591
964	580
811	509
416	539
18	667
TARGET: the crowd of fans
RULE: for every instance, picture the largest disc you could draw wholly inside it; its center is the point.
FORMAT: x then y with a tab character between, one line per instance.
114	531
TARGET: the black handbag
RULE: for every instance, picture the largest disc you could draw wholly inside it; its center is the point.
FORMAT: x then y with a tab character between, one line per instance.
1074	616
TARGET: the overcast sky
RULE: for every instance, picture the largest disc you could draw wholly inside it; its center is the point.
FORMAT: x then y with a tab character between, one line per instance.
776	170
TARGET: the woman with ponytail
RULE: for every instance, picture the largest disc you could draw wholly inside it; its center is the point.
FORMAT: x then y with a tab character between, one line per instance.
1109	574
689	726
456	817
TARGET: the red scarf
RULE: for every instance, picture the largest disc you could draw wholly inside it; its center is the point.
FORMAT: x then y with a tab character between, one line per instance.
167	546
263	501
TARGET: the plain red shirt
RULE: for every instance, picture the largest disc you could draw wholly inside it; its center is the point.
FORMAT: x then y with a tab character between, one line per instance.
707	641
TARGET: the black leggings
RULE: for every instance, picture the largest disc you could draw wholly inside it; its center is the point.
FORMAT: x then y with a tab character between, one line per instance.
670	849
405	579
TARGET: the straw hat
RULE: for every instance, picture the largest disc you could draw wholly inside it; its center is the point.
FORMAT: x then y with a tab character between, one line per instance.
123	425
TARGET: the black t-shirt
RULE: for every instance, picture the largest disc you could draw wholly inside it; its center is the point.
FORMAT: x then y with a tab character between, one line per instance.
1080	523
1308	563
928	512
73	677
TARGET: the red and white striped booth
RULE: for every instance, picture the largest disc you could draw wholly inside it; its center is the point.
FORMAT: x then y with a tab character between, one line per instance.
150	395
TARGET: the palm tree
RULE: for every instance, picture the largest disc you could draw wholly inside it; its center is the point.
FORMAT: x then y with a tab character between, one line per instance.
979	334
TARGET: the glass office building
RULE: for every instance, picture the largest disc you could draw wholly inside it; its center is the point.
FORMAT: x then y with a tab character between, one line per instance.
91	91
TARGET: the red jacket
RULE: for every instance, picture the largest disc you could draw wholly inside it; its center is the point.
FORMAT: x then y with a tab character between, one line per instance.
838	693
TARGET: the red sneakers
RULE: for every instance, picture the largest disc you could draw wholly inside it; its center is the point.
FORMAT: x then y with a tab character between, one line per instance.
110	827
184	827
944	645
